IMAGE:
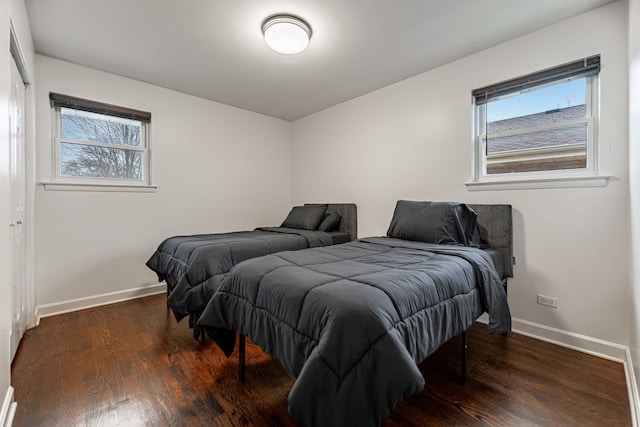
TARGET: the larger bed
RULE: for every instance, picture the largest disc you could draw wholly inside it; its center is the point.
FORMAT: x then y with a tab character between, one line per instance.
193	266
351	322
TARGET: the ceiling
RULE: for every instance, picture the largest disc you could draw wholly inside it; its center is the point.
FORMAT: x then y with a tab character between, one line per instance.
214	49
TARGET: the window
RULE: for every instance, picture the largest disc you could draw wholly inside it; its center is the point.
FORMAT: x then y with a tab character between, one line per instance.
540	125
96	143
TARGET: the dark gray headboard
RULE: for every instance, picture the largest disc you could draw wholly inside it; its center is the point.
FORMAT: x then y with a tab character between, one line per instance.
498	221
349	214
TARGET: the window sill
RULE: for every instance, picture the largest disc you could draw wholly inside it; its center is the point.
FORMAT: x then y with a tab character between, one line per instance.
539	183
74	186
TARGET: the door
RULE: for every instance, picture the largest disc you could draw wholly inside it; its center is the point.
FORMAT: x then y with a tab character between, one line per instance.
18	197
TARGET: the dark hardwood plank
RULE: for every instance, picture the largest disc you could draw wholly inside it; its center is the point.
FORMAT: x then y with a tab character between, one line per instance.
131	364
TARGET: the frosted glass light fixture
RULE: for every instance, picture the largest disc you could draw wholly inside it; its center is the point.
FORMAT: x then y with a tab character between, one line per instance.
286	34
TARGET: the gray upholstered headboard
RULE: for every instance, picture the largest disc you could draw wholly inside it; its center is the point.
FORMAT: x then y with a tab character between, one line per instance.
349	214
498	221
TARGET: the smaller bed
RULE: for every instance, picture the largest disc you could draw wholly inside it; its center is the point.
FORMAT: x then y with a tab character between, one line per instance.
193	266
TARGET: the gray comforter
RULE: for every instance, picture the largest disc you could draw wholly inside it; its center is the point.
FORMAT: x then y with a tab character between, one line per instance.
352	321
194	266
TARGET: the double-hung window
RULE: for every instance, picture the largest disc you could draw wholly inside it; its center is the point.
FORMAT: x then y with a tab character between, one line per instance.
97	143
542	125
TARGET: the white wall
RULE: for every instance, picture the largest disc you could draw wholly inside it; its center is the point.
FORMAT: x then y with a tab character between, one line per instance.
217	168
413	140
634	179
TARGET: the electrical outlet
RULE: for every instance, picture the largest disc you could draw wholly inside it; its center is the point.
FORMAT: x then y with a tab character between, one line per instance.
548	301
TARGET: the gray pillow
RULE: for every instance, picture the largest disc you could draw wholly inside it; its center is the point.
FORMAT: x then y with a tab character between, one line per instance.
330	221
443	223
480	238
306	217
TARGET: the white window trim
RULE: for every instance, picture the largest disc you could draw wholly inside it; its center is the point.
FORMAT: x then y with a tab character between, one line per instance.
77	186
58	182
573	181
564	178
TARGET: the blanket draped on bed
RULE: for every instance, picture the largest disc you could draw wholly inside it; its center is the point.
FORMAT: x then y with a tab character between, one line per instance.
194	266
352	321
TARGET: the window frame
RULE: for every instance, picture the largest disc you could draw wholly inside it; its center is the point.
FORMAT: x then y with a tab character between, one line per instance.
63	182
550	76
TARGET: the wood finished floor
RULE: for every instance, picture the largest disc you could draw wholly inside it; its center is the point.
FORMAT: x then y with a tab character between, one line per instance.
131	364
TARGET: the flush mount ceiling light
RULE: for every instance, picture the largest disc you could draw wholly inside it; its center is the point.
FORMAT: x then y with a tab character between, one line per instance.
286	34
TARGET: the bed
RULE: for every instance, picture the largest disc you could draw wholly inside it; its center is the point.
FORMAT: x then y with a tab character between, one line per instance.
352	321
193	266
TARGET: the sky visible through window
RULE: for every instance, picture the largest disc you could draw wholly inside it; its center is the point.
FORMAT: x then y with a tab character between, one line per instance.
537	101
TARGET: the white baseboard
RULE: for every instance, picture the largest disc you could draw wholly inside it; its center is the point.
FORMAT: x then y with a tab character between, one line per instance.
8	409
98	300
585	344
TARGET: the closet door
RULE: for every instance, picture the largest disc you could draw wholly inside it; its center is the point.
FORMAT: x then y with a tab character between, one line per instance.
18	197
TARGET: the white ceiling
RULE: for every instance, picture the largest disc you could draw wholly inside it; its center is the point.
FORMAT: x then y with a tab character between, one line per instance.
214	49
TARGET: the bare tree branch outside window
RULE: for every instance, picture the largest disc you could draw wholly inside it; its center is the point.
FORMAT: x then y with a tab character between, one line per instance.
90	154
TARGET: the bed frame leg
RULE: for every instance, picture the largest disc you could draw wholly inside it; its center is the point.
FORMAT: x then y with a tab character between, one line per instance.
463	368
198	332
202	337
241	358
